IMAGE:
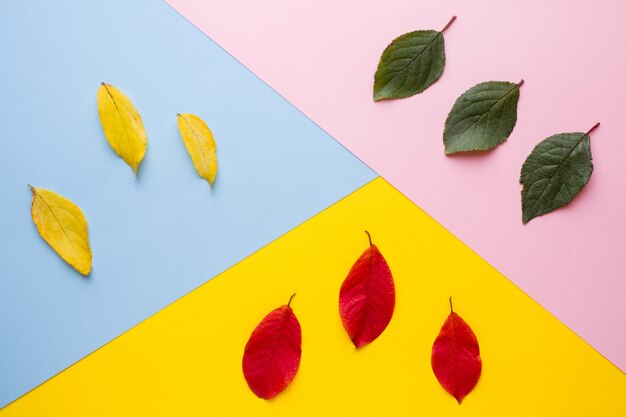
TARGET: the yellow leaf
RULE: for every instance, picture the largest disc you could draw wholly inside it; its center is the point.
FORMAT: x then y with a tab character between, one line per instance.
62	224
200	144
122	125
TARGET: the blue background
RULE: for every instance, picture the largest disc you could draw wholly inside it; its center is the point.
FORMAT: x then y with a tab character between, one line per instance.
156	237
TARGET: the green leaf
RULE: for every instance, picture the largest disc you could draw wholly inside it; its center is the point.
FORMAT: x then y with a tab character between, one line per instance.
410	64
554	172
482	117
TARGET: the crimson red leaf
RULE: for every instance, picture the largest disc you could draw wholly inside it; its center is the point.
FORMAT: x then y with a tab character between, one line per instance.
456	357
272	355
367	297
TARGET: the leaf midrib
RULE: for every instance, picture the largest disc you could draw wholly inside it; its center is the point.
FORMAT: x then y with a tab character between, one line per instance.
366	309
275	343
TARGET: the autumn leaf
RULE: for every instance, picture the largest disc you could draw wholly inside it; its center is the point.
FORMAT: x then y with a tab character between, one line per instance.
200	144
554	172
482	117
122	125
272	355
456	357
367	297
62	224
410	64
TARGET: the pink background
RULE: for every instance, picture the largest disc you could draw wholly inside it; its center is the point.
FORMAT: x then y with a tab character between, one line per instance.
321	56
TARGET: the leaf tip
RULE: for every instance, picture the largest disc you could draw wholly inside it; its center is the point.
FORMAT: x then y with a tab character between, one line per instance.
85	271
358	343
135	167
379	92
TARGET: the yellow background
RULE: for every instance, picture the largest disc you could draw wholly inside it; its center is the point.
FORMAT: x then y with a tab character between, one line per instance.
186	360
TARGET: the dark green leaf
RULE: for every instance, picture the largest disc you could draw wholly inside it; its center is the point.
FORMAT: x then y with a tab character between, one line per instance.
410	64
482	117
554	172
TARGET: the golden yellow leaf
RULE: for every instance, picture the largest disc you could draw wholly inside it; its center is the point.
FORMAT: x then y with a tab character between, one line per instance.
62	224
200	144
122	125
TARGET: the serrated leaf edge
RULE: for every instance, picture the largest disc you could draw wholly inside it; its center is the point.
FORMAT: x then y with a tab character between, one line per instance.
377	96
515	87
525	218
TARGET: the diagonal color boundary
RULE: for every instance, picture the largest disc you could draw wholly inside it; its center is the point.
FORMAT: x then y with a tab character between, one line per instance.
190	355
181	297
348	150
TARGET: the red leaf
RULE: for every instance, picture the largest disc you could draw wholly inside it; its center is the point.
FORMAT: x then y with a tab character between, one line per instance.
456	357
272	355
367	297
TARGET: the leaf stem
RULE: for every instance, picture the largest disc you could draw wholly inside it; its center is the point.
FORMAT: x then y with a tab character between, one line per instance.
521	83
448	24
451	310
369	237
291	298
593	128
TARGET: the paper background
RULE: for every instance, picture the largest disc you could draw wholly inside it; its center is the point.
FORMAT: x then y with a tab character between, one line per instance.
321	56
157	237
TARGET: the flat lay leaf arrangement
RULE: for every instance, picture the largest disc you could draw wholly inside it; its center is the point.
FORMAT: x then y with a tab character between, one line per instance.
366	302
62	224
481	118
